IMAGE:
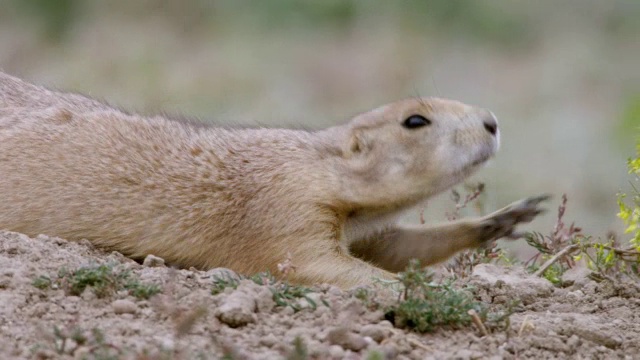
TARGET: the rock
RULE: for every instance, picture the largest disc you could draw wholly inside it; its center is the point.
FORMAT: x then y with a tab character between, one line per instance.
573	342
123	306
375	332
373	316
527	287
334	291
611	341
221	273
386	323
286	311
336	351
264	299
346	339
466	354
389	350
237	309
153	261
578	276
268	340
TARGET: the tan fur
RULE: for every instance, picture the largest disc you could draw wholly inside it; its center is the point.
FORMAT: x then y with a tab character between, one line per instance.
211	197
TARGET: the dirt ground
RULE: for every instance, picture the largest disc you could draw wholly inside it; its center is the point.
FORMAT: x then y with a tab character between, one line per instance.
586	320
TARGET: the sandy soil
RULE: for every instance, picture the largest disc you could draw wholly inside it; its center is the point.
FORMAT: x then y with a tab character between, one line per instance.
584	320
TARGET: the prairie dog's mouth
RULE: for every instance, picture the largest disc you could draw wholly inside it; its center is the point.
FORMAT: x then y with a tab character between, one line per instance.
481	159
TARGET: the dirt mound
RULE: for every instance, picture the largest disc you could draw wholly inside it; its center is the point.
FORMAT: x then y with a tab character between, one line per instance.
46	316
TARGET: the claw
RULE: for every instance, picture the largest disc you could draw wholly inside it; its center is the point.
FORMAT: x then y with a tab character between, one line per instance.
503	222
535	200
516	235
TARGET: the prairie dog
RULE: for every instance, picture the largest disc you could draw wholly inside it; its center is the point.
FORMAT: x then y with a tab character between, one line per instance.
206	196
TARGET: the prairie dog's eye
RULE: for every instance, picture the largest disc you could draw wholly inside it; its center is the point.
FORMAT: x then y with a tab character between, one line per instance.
416	121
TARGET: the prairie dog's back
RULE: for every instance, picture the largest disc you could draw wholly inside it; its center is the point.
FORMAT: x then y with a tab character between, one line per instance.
75	168
16	93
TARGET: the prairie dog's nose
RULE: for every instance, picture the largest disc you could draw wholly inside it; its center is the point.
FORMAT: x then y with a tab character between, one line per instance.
490	123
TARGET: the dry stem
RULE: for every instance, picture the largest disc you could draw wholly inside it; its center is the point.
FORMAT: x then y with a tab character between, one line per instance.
478	322
555	258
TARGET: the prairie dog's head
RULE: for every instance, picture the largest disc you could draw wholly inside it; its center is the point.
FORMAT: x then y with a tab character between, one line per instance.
412	149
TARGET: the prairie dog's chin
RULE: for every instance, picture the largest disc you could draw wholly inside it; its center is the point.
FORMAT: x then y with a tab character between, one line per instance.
474	163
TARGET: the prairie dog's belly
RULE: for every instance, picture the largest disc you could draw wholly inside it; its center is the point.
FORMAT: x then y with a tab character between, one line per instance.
362	226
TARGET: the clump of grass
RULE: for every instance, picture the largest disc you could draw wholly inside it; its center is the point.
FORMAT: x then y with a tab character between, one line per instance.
424	305
220	283
141	290
104	280
101	279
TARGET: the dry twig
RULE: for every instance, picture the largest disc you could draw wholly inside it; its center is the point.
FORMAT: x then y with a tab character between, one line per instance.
559	255
478	322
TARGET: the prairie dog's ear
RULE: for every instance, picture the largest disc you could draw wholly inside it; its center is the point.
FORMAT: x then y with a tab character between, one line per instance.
357	143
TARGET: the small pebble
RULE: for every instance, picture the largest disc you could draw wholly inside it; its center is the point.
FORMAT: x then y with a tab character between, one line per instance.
124	307
153	261
375	332
336	352
346	339
268	340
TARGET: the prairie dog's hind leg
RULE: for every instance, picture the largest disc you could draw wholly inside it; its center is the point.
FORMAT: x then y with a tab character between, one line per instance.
393	248
339	268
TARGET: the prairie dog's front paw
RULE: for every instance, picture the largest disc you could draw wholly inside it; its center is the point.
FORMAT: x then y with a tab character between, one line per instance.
502	223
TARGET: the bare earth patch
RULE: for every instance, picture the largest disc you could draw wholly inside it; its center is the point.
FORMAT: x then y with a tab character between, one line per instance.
185	321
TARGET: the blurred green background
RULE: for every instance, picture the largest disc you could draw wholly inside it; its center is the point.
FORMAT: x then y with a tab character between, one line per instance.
563	77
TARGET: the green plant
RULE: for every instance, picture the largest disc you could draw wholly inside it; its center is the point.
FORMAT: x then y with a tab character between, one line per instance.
104	280
101	279
375	355
630	214
555	252
566	246
424	305
41	282
141	290
220	283
299	351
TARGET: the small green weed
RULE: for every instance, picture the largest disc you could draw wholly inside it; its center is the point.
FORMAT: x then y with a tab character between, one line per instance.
104	280
375	355
221	283
41	282
299	351
101	279
424	305
140	290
